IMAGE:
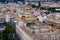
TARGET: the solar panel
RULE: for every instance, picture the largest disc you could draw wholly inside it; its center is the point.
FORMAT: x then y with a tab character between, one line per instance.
2	20
2	27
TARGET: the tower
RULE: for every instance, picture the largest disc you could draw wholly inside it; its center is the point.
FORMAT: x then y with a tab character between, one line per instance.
7	18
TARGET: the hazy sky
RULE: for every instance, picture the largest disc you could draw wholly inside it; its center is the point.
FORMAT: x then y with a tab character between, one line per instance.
19	0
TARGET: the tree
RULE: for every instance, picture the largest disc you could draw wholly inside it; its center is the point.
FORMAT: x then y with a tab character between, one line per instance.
8	32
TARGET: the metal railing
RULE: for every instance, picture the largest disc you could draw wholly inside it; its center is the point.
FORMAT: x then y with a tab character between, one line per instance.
49	37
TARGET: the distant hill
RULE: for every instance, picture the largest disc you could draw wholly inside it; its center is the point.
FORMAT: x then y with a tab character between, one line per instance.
11	0
20	0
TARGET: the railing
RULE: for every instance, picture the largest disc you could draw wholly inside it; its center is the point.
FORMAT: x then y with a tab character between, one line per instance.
49	37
